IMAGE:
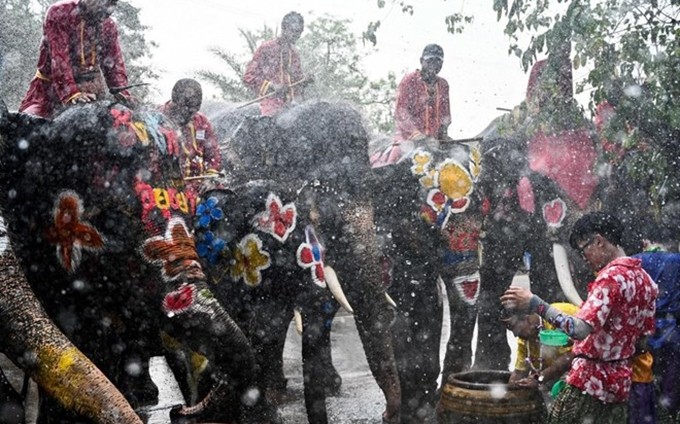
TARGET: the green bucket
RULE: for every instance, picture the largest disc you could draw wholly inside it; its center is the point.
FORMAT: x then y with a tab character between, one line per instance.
553	338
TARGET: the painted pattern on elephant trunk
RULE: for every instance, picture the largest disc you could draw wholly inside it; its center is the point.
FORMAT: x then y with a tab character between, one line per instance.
56	365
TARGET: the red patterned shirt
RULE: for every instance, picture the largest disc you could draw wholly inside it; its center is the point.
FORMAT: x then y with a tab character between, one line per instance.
620	308
274	63
72	47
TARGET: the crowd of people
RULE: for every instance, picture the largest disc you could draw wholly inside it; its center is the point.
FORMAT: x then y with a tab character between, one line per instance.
606	373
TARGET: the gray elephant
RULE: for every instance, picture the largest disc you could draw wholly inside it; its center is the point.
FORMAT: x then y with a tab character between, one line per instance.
304	211
429	217
48	356
98	215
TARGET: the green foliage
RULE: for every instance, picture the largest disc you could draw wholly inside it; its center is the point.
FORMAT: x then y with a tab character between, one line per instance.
20	30
455	23
137	50
631	50
230	82
329	51
21	24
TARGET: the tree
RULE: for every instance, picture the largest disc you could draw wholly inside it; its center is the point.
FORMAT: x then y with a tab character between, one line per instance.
455	22
19	39
21	23
632	51
329	51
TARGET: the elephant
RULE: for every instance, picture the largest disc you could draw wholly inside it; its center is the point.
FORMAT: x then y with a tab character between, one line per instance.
429	216
301	205
99	217
48	356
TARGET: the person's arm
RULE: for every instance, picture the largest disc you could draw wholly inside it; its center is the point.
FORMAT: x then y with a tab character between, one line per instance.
59	40
405	121
576	328
212	158
557	369
111	58
522	299
255	76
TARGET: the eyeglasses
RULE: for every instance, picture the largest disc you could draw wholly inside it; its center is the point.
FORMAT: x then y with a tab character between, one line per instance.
582	249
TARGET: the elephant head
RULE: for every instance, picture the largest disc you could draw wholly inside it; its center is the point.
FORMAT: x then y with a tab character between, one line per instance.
429	217
98	214
316	154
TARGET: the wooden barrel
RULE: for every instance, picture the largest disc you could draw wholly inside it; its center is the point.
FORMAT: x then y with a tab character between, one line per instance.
484	397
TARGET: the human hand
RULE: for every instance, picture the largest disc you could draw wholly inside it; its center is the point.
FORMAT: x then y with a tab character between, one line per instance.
83	98
278	89
526	382
516	298
127	100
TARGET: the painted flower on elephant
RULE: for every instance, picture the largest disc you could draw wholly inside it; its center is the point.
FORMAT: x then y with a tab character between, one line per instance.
208	211
554	212
175	251
310	254
210	247
277	220
421	162
453	185
249	261
179	300
70	233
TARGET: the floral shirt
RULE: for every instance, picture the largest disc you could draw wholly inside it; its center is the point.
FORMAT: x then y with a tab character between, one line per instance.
620	308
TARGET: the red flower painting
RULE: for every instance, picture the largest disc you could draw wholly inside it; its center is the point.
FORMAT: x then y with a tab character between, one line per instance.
70	233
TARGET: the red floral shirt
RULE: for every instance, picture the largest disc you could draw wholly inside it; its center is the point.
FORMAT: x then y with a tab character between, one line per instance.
620	308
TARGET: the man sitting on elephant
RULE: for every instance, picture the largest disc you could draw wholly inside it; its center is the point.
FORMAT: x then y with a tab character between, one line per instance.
275	72
423	108
200	152
79	44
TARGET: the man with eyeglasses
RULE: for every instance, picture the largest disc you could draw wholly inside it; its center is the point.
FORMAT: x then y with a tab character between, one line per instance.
609	329
79	58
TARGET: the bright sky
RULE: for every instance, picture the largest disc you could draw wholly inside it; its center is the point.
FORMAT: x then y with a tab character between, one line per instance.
480	73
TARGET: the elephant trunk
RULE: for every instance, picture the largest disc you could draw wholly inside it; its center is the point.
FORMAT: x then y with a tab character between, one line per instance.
34	342
564	274
373	317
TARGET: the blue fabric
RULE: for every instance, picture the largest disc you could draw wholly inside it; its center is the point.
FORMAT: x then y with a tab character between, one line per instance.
664	268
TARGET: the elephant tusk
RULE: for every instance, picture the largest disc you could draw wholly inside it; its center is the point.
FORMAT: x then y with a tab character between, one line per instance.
564	274
334	286
298	320
390	300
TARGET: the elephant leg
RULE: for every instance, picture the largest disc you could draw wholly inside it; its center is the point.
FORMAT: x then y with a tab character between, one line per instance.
11	402
333	380
463	317
417	336
499	265
268	333
313	362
